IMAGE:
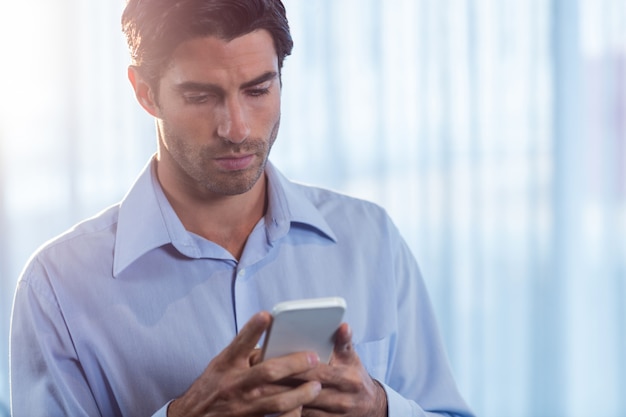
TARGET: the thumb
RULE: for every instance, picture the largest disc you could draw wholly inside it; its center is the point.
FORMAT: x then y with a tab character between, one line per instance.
344	348
244	343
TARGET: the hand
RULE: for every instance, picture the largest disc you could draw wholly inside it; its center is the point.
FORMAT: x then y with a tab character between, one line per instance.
234	384
348	390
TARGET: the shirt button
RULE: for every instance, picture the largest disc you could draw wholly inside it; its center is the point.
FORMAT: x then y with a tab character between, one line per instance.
241	273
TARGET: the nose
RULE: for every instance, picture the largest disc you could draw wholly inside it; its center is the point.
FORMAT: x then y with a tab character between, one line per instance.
233	125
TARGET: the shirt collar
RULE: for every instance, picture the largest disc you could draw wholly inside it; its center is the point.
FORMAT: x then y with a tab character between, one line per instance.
288	206
141	225
147	221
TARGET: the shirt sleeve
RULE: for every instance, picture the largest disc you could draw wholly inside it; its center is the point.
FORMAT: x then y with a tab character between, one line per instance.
46	375
162	412
419	381
45	372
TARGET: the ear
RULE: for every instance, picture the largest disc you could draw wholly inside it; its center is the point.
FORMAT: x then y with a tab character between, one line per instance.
143	91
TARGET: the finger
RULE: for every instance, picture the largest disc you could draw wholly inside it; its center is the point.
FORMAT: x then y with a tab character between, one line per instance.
292	400
268	390
344	349
282	368
293	413
255	357
245	342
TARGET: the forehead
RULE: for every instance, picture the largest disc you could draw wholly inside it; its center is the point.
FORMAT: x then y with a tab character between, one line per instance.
212	59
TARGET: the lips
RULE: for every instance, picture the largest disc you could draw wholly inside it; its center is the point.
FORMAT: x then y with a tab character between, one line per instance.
235	163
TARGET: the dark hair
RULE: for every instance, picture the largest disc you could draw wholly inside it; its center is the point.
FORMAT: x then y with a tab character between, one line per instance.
154	28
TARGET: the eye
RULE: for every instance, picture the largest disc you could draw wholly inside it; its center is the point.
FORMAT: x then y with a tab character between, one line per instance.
196	98
257	92
199	97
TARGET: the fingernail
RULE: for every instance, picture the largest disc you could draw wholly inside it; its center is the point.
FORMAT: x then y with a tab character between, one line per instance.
317	387
314	360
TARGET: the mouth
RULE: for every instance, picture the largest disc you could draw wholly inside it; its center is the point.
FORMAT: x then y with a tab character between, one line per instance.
235	163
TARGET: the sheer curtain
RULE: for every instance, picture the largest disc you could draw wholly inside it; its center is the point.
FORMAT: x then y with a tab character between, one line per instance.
494	132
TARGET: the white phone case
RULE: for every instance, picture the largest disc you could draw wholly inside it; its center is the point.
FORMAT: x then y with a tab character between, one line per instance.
304	325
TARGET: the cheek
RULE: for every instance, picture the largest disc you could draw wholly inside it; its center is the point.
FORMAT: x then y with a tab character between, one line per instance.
192	123
269	115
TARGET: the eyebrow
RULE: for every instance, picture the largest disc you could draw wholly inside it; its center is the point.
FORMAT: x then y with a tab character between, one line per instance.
214	88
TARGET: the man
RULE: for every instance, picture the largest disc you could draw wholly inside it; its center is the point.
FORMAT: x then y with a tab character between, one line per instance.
156	306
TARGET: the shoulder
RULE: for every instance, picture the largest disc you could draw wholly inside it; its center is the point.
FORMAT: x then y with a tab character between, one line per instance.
85	240
339	215
96	227
326	198
342	210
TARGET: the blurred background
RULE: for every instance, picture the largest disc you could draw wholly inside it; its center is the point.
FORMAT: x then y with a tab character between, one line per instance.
493	131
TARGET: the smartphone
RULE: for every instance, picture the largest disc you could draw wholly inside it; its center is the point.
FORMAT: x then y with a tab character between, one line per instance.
304	325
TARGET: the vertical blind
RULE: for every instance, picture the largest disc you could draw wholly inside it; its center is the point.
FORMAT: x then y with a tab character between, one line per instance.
493	131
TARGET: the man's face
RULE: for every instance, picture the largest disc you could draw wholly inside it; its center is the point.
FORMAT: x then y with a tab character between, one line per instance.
218	112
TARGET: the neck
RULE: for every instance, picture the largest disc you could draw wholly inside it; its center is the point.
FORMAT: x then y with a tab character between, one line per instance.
225	220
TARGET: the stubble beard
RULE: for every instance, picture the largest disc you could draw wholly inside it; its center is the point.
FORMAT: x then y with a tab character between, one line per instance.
193	162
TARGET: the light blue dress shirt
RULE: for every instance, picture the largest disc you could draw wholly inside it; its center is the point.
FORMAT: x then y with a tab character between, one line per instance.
122	313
